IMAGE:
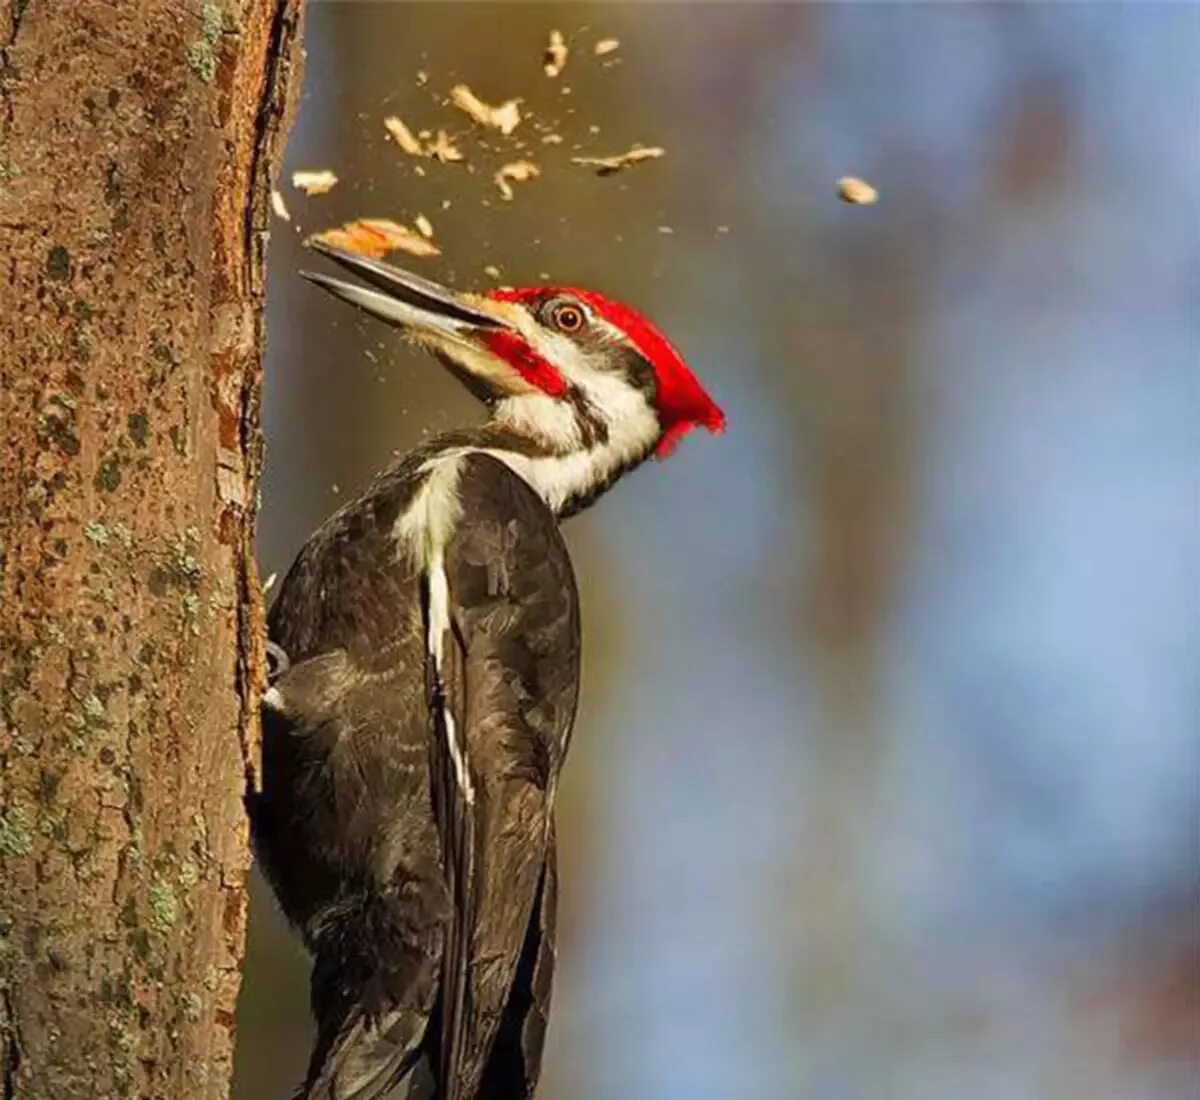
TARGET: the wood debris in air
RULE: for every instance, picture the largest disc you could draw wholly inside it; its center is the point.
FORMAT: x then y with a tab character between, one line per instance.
554	58
441	148
279	206
517	171
856	192
505	118
424	144
403	136
314	182
606	166
376	237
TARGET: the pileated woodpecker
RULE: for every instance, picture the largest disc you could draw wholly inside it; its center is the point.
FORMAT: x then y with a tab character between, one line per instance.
413	737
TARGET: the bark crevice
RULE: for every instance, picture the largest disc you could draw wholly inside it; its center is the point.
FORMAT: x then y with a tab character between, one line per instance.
10	1045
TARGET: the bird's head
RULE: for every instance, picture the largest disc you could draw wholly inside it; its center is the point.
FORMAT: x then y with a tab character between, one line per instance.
583	376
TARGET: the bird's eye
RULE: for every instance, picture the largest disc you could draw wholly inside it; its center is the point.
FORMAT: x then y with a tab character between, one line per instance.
566	317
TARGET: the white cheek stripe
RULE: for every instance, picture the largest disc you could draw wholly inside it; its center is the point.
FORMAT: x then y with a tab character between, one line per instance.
423	531
556	478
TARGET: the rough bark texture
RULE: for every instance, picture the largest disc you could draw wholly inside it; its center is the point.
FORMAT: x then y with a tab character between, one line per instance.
136	145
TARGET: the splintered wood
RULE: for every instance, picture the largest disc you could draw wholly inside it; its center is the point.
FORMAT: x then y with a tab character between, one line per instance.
554	60
403	137
606	166
505	118
376	237
516	172
856	192
481	151
441	148
314	182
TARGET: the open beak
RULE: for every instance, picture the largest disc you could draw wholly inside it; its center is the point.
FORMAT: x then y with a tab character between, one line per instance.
427	312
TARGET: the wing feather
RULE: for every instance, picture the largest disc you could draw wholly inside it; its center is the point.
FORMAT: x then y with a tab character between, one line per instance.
454	808
503	680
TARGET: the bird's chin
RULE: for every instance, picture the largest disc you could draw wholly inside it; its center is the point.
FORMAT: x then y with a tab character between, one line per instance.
485	376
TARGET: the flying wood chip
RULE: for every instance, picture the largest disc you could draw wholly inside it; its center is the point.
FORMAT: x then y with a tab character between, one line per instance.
441	148
505	118
518	172
314	182
403	136
279	206
606	166
856	192
554	59
606	46
376	237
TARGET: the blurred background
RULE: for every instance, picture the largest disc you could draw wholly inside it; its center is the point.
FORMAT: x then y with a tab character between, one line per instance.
886	781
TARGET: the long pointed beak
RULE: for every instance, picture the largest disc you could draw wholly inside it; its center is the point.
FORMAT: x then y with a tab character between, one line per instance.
403	299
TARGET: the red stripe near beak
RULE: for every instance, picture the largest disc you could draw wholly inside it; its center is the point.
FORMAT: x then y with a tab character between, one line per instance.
516	352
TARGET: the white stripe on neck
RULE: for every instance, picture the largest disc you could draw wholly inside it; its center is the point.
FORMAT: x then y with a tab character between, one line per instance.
574	469
424	530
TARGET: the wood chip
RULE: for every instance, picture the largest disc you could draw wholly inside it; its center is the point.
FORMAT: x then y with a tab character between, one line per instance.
376	237
554	58
505	118
552	139
606	166
443	149
424	226
403	136
278	205
517	171
606	46
314	182
856	192
492	271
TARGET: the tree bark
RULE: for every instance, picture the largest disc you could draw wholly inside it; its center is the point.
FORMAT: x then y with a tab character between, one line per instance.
137	141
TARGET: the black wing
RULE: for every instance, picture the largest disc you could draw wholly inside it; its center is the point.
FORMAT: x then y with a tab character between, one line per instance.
343	825
504	696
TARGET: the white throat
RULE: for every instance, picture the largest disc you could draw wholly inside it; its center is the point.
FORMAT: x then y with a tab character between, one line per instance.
575	467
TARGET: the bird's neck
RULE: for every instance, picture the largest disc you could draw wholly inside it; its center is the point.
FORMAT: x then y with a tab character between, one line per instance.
569	451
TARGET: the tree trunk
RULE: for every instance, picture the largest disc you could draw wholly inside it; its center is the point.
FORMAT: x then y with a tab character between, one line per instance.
137	141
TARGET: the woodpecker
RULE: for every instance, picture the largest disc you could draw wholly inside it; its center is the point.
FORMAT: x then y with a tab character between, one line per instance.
413	735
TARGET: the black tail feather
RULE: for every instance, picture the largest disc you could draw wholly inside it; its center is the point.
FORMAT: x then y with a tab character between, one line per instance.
374	982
